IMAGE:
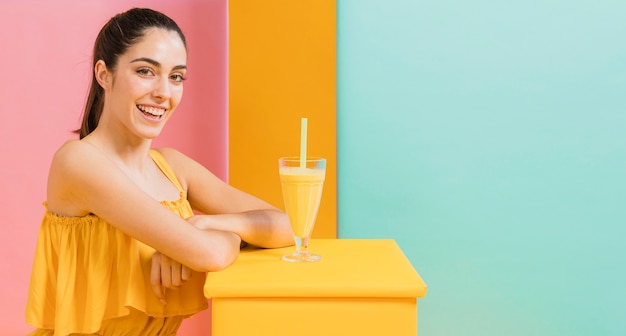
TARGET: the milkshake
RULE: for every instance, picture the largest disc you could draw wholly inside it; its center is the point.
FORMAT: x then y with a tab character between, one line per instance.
302	192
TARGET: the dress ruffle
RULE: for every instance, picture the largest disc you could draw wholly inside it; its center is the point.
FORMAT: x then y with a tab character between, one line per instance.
87	271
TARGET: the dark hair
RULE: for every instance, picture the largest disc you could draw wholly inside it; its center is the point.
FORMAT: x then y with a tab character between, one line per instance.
120	33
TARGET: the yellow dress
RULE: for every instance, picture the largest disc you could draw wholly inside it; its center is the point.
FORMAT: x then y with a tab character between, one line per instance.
90	278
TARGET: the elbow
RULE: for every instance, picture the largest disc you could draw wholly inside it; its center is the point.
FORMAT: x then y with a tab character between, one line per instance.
213	262
278	235
282	237
216	257
219	262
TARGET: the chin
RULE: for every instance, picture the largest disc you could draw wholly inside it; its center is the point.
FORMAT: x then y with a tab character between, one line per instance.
150	134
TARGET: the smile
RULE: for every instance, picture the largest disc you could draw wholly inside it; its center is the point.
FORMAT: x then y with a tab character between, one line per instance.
151	111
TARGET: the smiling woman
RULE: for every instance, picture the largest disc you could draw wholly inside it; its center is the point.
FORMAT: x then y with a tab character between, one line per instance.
119	228
146	84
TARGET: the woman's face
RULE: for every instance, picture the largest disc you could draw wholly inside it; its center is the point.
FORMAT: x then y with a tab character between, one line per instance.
147	84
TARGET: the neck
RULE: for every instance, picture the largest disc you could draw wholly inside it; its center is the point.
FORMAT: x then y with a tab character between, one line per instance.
130	154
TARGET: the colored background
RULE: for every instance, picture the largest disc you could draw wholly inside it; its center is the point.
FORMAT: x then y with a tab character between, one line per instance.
282	68
45	60
486	138
489	139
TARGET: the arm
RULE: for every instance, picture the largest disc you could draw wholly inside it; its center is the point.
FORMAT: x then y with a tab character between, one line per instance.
229	209
84	181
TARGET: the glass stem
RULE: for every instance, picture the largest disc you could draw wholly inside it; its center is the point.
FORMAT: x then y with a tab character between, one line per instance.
302	244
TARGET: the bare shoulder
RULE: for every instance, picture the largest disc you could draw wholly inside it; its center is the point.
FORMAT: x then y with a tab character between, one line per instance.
182	164
72	150
75	169
79	158
172	155
190	172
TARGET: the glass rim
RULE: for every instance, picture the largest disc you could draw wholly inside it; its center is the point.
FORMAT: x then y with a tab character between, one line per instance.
297	158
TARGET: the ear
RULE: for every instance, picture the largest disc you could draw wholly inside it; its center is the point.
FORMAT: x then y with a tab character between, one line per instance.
103	75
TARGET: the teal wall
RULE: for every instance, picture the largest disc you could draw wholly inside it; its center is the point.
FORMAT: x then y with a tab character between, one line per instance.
488	138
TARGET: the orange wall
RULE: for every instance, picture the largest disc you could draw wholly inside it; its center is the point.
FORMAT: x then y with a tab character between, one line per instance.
282	68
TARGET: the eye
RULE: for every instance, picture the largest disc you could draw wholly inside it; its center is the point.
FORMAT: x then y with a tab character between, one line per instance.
144	71
179	78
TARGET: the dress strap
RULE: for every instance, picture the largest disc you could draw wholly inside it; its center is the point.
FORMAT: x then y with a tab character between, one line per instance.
160	161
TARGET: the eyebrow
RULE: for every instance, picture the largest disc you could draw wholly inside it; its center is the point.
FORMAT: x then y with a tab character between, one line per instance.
155	63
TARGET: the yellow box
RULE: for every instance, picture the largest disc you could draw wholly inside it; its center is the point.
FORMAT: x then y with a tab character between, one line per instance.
360	287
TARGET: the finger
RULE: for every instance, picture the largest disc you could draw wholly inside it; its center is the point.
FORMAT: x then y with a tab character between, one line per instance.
176	274
166	271
185	273
155	278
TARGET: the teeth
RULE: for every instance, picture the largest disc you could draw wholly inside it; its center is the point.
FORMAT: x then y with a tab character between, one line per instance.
155	111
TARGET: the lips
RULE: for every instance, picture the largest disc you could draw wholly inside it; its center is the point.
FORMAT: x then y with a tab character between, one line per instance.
152	111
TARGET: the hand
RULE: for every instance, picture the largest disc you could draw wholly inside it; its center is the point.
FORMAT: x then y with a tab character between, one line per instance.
167	273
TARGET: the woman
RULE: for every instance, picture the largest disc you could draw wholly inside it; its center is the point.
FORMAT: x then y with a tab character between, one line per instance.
113	201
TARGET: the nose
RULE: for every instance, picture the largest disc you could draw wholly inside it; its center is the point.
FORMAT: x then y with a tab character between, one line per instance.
162	88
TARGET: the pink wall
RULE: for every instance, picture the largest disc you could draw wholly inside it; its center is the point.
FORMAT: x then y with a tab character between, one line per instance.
46	47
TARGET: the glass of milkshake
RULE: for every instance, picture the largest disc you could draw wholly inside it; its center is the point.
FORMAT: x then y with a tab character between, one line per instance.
302	182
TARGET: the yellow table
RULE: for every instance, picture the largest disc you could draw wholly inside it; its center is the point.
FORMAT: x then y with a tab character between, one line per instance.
360	287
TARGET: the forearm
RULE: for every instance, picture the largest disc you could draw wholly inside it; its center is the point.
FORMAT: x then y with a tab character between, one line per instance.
205	250
263	228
